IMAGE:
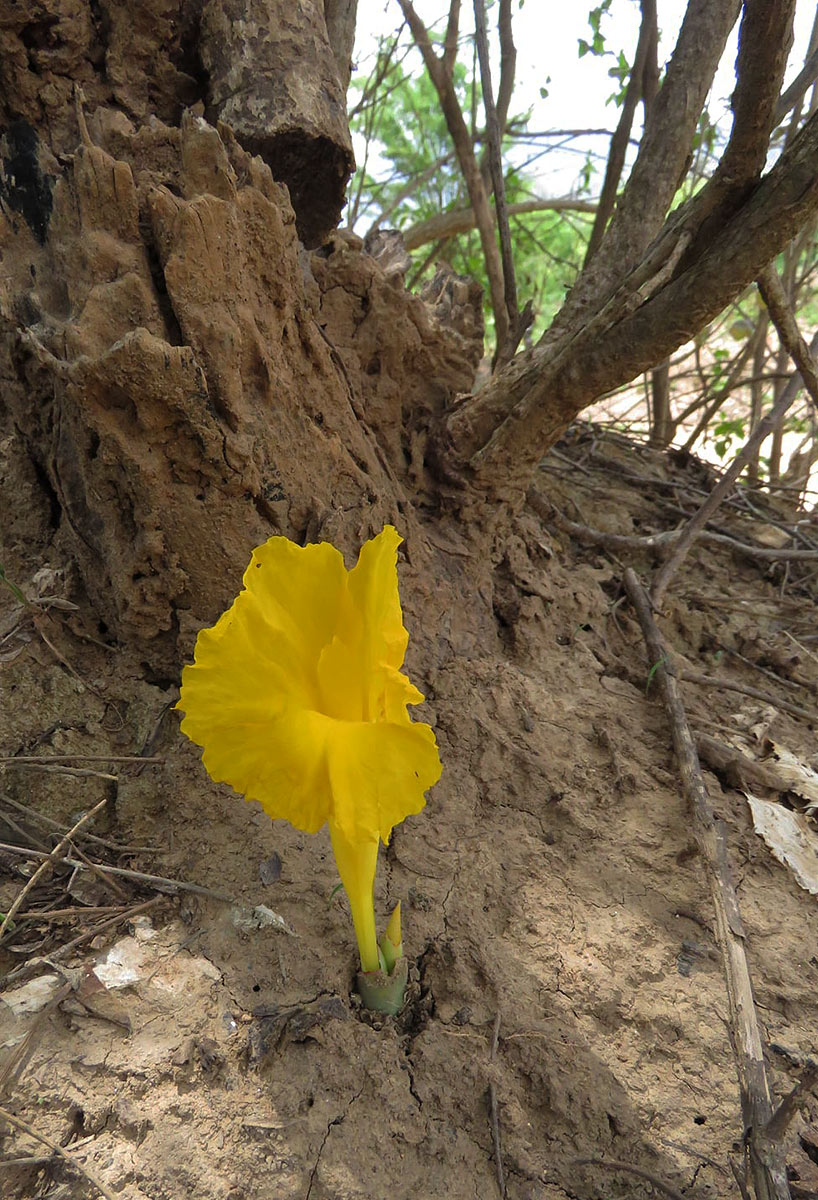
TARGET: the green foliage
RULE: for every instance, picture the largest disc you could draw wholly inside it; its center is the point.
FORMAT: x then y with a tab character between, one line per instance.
13	588
725	431
597	43
410	173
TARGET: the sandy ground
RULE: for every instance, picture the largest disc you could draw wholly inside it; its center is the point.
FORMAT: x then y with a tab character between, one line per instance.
552	880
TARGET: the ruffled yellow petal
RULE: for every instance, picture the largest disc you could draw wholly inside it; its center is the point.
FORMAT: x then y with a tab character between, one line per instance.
296	696
373	588
378	774
301	592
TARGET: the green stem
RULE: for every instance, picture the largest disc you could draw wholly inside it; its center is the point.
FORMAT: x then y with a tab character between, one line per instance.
356	864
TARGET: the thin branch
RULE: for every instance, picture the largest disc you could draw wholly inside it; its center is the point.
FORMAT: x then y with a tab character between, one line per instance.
621	137
50	859
610	1164
785	322
783	1116
795	92
24	1127
504	351
450	41
725	685
409	187
461	220
440	73
751	346
769	1173
508	63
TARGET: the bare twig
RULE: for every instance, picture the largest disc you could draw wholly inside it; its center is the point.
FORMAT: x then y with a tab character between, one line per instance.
805	77
50	823
725	685
782	1118
27	759
504	352
77	910
461	220
5	1115
50	859
62	951
724	486
110	884
612	1165
61	769
658	543
495	1113
139	876
769	1173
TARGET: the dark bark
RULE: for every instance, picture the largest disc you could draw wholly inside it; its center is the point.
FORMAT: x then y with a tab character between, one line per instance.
642	66
340	17
440	73
499	436
662	159
276	83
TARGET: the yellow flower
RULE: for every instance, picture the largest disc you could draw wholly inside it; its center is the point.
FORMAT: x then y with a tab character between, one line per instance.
297	698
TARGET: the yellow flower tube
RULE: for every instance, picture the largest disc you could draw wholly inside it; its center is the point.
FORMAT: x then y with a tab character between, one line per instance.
297	698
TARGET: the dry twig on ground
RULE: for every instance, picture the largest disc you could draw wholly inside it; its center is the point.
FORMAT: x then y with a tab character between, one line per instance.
766	1160
50	859
494	1113
24	1127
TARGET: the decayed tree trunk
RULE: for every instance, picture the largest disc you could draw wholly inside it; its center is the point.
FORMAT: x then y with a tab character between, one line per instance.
181	378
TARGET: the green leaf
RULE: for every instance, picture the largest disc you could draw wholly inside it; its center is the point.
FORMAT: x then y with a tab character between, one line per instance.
661	663
13	588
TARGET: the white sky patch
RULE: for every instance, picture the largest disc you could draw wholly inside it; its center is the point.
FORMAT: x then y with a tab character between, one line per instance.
547	38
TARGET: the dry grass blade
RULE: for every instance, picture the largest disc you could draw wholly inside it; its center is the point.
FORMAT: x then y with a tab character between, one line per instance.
176	885
125	915
46	866
24	1127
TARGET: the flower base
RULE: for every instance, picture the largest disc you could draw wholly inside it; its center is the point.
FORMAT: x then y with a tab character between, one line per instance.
384	993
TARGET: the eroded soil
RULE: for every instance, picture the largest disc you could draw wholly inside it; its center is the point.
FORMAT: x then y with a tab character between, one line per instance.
552	879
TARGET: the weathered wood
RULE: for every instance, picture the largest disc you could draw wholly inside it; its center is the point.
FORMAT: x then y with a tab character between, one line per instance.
275	80
766	1164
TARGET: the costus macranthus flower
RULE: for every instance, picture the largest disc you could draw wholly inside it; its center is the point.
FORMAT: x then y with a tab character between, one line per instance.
297	698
